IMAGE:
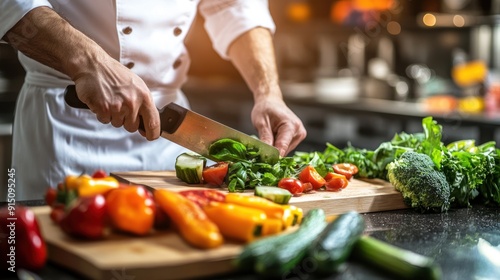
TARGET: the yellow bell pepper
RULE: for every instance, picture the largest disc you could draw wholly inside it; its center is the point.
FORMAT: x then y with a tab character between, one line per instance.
85	185
296	215
471	104
235	221
272	210
288	214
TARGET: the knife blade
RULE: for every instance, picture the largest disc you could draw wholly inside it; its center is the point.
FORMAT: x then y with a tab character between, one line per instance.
193	131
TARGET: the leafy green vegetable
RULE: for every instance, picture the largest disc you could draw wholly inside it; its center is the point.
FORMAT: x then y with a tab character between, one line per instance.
472	172
245	170
228	150
467	169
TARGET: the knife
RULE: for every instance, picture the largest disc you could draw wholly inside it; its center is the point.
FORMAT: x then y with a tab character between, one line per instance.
192	130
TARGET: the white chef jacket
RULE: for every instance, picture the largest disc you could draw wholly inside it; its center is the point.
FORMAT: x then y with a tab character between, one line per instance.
52	140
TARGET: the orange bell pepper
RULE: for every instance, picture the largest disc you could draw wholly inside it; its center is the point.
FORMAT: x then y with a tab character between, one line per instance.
131	210
235	221
86	185
192	222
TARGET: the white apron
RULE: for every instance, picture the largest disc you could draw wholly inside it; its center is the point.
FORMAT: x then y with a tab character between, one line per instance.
52	140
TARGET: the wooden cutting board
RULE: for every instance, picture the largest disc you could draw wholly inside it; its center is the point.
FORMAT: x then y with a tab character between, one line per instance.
365	196
164	255
161	255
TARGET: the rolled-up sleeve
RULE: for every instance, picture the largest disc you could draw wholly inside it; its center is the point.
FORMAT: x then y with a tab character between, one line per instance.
225	20
11	11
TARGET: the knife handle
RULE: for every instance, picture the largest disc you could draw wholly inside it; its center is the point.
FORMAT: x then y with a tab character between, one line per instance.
72	99
171	115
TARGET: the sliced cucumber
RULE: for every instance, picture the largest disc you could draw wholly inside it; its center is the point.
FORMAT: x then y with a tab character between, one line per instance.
189	167
276	195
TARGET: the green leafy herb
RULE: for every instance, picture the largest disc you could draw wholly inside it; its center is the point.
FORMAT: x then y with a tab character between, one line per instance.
473	172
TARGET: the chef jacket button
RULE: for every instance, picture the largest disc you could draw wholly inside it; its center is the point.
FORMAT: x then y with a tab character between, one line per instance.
177	31
127	30
130	65
177	63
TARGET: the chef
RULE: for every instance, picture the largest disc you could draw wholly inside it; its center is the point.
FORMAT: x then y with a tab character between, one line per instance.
126	59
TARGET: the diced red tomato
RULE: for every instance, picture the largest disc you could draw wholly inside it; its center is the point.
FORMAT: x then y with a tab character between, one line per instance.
308	187
294	186
335	182
310	175
204	197
215	174
346	169
50	196
57	213
99	174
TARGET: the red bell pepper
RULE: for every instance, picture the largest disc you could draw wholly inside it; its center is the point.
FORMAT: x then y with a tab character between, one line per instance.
99	174
203	197
21	242
86	218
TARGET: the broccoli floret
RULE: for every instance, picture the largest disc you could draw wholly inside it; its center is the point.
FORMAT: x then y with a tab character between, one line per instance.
422	186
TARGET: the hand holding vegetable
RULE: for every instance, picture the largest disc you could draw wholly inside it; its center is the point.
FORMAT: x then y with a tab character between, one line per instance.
277	125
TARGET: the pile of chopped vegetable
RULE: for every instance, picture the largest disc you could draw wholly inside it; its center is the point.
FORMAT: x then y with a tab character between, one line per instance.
471	171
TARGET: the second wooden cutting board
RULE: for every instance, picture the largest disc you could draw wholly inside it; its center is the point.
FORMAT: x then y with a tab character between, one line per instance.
361	196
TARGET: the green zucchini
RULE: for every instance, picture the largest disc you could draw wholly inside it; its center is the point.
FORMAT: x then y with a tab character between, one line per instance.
399	262
275	194
334	245
189	167
278	254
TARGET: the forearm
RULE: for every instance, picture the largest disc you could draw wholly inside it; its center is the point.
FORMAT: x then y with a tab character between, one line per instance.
49	39
253	55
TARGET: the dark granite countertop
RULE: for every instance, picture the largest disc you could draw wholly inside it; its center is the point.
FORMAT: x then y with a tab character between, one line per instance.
464	242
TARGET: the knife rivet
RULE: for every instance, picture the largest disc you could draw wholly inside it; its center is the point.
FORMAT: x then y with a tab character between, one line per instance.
127	30
177	31
177	63
130	65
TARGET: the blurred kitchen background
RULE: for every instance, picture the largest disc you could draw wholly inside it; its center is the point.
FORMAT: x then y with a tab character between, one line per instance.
355	71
